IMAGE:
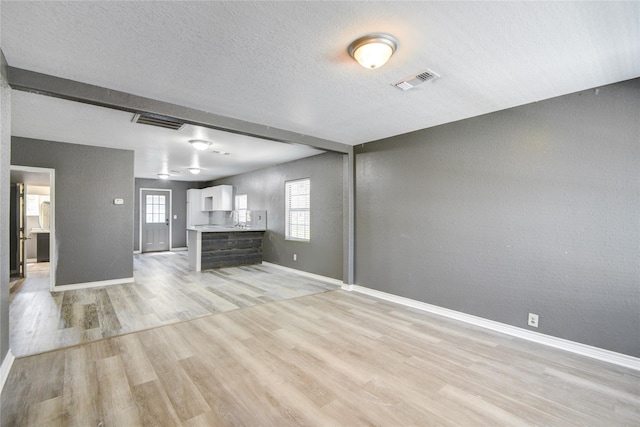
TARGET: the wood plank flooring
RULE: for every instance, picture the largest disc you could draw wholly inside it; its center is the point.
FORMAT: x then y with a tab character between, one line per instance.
327	359
166	290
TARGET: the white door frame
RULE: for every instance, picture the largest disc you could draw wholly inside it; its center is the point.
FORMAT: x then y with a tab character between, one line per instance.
170	216
53	255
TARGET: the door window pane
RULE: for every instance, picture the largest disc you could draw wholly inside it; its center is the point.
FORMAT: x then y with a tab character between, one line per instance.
155	209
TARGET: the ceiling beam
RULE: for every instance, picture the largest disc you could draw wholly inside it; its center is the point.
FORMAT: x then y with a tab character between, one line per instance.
31	81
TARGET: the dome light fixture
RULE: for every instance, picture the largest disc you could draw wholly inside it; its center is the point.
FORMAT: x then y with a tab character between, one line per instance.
373	50
194	171
200	144
163	175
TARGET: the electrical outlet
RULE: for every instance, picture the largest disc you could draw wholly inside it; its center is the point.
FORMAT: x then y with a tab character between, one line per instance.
533	320
295	257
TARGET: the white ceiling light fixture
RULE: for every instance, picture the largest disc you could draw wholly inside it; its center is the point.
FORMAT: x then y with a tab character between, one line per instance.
373	50
163	175
200	144
194	171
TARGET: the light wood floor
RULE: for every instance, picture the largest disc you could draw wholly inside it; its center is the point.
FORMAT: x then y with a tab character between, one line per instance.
328	359
166	290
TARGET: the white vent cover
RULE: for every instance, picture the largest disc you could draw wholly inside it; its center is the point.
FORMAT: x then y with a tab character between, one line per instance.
415	80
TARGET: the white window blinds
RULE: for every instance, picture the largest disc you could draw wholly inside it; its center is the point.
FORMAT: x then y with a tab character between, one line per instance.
298	209
241	208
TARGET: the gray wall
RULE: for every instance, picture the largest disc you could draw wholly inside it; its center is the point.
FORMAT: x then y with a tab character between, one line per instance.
532	209
178	207
94	237
265	191
5	156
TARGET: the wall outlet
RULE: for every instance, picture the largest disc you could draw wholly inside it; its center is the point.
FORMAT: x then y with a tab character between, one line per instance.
295	257
533	320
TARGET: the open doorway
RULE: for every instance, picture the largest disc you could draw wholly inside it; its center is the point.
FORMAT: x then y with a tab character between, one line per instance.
32	224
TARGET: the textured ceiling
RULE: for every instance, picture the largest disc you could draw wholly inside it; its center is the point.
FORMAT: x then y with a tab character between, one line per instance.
285	64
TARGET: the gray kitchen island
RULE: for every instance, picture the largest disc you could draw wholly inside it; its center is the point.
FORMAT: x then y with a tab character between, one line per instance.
223	246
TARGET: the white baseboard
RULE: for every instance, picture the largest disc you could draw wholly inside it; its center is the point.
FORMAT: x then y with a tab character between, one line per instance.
137	252
304	273
100	283
559	343
5	368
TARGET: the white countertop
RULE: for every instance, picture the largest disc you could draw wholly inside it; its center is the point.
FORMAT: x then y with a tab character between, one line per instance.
39	230
221	228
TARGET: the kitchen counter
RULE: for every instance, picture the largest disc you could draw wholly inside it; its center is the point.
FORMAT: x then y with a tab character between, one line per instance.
39	230
221	228
223	246
42	243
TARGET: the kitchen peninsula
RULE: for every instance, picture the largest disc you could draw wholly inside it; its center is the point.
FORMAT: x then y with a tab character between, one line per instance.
215	246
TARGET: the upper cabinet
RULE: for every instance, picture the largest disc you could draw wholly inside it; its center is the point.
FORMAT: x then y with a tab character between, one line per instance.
193	195
218	198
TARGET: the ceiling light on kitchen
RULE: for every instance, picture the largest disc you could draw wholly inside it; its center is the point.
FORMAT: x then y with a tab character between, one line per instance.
163	175
194	171
200	144
373	50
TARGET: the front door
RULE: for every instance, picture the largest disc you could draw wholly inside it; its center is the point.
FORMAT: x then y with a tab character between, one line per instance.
155	220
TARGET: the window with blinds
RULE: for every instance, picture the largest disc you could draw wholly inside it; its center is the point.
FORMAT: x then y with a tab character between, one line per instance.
298	209
241	208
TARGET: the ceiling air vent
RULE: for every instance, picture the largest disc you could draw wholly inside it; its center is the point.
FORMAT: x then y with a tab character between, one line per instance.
158	120
416	79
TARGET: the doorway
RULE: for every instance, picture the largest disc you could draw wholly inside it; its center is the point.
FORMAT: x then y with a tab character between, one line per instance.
17	233
155	223
32	223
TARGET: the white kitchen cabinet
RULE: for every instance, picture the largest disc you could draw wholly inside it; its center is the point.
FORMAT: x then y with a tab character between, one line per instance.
205	199
195	215
218	198
193	195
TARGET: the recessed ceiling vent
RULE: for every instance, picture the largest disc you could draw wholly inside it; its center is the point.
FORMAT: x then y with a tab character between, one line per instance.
415	80
158	121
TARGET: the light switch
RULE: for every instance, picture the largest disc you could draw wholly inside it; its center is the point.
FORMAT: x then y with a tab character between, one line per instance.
118	201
